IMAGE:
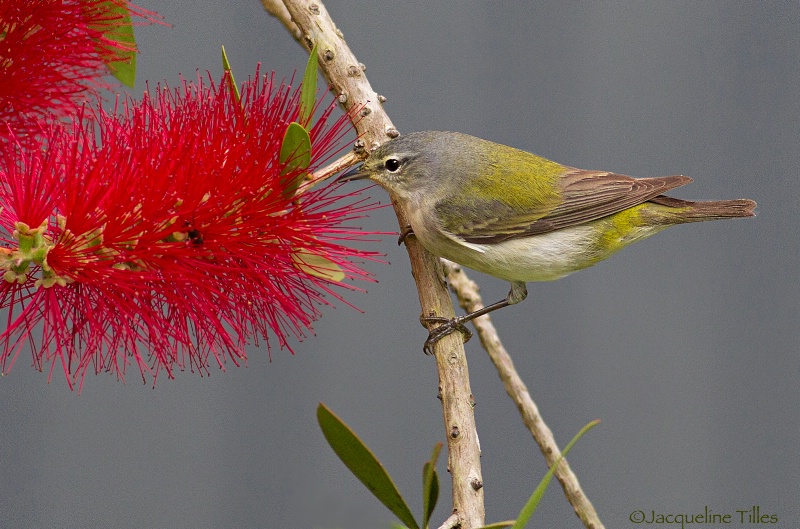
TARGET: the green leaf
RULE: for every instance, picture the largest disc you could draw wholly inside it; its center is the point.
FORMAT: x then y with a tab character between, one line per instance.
430	485
308	90
363	464
123	69
529	508
499	525
227	67
317	266
295	157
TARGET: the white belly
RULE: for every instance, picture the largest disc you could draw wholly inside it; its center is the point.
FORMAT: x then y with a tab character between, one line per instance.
542	257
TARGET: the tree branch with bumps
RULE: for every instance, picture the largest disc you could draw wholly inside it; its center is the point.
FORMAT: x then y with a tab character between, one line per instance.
310	24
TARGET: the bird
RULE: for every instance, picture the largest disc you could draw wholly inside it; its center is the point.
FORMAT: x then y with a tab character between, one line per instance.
518	216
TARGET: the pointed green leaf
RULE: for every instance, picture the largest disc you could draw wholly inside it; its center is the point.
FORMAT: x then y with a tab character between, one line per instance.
430	485
123	69
317	266
227	67
363	464
529	508
308	90
295	156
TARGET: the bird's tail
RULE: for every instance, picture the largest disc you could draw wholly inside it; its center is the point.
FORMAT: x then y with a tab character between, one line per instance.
689	211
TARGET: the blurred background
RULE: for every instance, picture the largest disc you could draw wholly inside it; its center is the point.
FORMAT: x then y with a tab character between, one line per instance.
686	345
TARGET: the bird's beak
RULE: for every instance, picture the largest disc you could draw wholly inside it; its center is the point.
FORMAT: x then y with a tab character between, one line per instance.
354	173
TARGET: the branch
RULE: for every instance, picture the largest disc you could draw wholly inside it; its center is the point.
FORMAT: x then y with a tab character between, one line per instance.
450	523
279	11
467	292
337	166
348	82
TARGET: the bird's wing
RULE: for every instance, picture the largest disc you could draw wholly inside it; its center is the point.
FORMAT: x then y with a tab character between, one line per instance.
585	196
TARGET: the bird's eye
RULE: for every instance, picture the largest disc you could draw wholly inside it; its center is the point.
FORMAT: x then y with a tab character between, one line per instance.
392	164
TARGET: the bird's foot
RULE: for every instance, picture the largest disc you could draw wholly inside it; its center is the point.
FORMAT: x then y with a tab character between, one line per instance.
406	232
447	326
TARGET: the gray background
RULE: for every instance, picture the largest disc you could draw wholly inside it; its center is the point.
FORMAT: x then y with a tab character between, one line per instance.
685	345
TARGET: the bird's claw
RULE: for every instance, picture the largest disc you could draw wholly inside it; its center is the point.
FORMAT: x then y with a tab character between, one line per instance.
405	233
447	326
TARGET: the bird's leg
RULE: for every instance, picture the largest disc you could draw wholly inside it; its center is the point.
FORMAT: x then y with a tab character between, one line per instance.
405	232
518	292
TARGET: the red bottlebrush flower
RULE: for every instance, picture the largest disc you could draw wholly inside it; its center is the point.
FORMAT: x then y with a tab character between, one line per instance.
163	236
52	52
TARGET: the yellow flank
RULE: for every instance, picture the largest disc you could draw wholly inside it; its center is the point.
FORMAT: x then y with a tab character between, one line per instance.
623	228
633	224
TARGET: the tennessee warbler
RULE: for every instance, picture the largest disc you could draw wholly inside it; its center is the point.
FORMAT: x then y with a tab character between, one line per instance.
520	217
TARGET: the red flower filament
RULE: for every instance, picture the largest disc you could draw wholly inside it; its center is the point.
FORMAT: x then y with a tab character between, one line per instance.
163	236
53	51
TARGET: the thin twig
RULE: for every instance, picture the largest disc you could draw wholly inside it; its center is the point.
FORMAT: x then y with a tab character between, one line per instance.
279	11
451	522
346	77
329	170
468	298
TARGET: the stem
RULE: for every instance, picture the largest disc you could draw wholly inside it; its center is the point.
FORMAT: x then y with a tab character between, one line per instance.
467	292
329	170
346	78
279	11
450	523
